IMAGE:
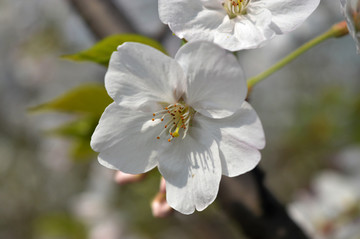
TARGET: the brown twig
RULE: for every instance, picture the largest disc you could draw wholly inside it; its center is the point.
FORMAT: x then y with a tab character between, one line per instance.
252	206
102	17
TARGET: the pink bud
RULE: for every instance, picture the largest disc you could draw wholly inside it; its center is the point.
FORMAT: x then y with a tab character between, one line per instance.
162	186
159	206
124	178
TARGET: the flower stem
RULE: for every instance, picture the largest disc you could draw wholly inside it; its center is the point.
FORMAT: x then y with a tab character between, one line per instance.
337	30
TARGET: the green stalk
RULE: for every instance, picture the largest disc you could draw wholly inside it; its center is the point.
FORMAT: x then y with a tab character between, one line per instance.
338	30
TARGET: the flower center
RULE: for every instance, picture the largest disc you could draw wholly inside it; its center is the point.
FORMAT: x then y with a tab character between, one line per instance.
235	8
177	117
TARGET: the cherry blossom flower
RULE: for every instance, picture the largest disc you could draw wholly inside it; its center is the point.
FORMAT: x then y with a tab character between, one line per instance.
351	10
234	24
187	116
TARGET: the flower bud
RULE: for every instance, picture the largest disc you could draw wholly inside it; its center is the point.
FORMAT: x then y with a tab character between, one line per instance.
159	206
341	29
124	178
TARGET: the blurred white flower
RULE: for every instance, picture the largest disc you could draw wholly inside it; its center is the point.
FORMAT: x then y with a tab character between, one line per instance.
351	10
331	210
187	116
234	24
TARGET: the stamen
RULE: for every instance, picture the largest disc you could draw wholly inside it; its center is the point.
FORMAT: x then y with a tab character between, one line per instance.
178	117
161	133
235	8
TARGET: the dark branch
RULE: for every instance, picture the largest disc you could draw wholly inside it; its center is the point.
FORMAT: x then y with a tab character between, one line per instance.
257	211
102	17
105	18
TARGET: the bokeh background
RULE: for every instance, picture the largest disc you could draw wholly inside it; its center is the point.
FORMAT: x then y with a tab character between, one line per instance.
310	112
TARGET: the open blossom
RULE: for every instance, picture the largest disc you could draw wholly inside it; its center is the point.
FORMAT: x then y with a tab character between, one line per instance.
351	10
234	24
187	116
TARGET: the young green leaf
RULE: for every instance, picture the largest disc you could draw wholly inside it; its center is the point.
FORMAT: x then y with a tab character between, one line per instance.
89	99
79	129
101	51
80	132
81	150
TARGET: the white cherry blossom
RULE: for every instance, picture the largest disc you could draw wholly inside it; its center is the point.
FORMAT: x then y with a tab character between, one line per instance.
234	24
187	116
351	11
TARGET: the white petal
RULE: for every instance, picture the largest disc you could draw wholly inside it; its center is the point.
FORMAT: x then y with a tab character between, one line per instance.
226	27
250	31
192	170
289	14
215	80
126	140
140	76
237	157
239	138
192	19
213	4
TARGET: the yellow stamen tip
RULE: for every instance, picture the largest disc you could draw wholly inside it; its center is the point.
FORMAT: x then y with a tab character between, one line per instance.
175	134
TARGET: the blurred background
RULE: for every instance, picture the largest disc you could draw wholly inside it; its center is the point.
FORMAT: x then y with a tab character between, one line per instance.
310	111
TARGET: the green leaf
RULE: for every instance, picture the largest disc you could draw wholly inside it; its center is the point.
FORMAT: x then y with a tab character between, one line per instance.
80	132
101	51
90	99
58	225
80	129
81	150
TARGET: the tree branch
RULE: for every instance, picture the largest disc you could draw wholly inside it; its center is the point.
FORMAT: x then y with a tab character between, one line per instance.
102	17
252	206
